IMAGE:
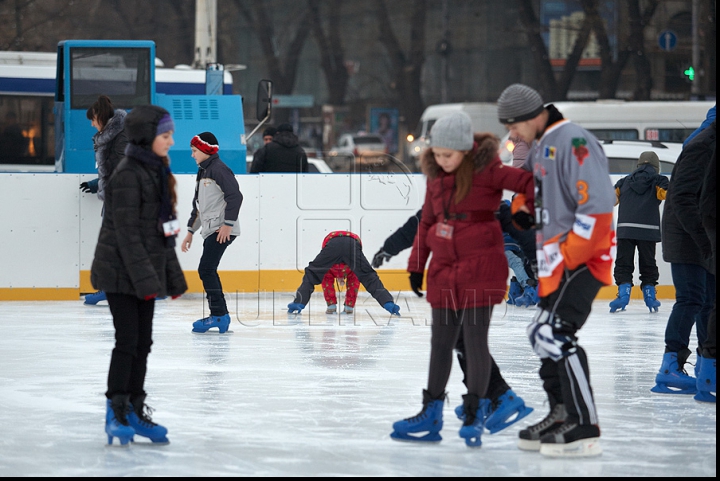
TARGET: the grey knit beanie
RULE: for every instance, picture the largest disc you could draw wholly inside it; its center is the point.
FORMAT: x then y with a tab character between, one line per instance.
452	131
518	103
649	157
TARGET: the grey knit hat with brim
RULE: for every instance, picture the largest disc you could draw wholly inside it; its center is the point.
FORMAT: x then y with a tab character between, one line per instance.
452	131
518	103
649	157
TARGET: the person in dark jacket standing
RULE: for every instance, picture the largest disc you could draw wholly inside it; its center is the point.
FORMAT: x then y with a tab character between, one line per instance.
639	195
344	248
282	154
468	269
685	245
109	143
216	208
134	263
706	362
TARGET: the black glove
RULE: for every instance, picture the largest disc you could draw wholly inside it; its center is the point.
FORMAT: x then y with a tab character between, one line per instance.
416	280
90	187
380	257
523	221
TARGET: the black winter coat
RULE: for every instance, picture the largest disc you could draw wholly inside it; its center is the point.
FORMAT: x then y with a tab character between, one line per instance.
283	154
132	255
640	194
684	240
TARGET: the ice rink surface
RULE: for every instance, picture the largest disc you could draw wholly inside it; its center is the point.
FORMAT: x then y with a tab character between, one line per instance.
316	395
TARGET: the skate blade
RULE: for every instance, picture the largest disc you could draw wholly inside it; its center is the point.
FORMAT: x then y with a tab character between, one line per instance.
582	448
211	332
120	443
149	443
428	438
662	388
705	397
507	422
528	445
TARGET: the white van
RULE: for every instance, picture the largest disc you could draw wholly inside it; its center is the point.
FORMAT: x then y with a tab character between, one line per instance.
663	121
483	115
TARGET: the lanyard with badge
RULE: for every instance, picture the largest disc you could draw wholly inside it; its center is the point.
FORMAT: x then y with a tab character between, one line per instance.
442	229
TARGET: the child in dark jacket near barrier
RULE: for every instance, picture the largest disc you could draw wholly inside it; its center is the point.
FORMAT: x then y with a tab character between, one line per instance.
216	208
639	195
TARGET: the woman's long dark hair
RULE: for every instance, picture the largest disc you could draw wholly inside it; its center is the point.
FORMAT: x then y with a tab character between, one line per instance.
102	109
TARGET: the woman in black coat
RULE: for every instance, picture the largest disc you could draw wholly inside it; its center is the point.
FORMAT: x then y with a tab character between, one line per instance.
135	263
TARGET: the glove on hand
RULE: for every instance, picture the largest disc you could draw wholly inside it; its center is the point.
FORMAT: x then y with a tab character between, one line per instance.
523	221
392	308
90	187
295	308
380	257
416	280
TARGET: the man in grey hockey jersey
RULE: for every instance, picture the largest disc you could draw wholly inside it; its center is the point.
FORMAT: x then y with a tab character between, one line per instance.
574	201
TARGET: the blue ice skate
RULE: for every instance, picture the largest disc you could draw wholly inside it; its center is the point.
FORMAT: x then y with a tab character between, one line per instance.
622	299
706	380
529	297
221	322
672	378
428	421
506	411
116	422
514	291
93	299
476	410
649	295
139	419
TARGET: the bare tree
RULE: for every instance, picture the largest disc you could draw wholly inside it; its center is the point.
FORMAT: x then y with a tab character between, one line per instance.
282	69
632	45
332	55
550	87
407	69
26	20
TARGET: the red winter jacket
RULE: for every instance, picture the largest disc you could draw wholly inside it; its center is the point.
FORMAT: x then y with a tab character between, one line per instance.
470	269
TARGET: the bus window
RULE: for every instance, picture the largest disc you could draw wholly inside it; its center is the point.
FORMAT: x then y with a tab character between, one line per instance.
123	75
26	130
668	135
615	134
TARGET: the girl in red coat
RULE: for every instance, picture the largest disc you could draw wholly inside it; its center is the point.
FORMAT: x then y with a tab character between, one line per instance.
468	271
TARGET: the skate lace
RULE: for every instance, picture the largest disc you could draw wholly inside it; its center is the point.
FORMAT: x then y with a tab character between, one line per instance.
549	420
421	414
564	427
144	415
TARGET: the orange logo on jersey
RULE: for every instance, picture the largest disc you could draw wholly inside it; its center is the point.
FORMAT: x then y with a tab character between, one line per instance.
579	150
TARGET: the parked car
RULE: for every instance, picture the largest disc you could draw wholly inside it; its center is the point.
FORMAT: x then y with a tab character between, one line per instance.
623	154
359	149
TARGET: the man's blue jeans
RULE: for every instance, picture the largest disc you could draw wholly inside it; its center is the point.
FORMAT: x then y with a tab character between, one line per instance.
694	298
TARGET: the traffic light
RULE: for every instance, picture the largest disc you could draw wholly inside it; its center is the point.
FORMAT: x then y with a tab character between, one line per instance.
689	73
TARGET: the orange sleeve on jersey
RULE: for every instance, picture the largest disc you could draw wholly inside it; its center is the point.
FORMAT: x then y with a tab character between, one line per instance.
577	250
